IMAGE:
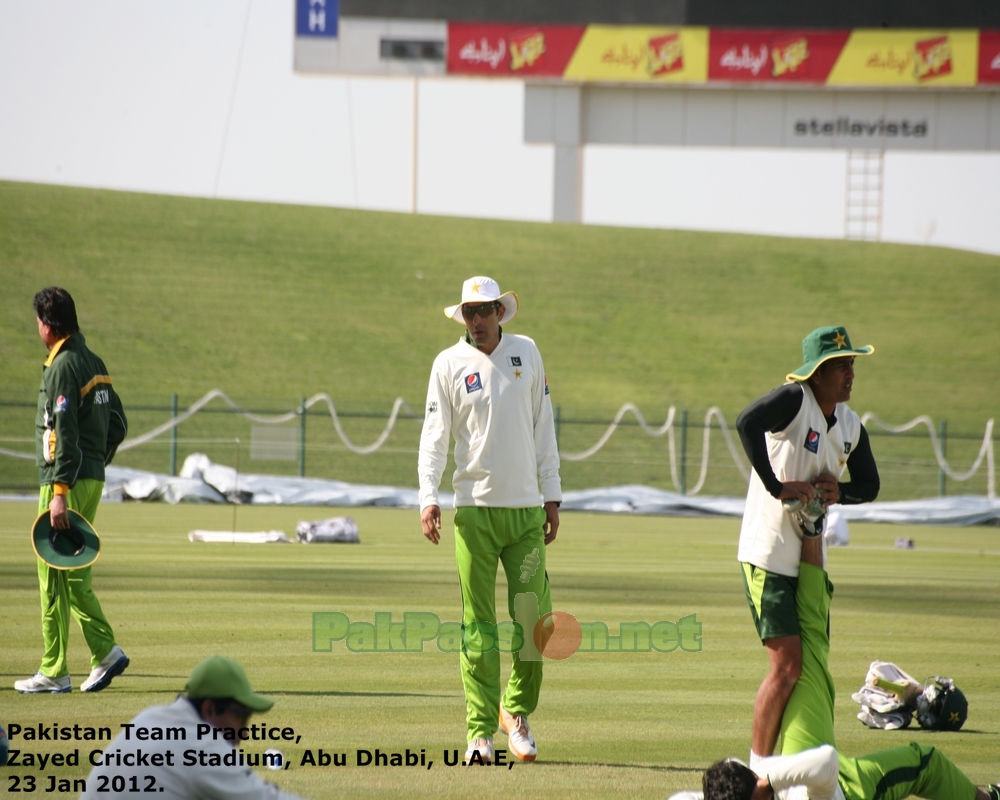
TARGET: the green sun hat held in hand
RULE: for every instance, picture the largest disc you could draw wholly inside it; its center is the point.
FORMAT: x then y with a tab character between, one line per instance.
77	547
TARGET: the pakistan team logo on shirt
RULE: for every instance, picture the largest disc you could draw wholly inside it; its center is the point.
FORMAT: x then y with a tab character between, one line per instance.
514	361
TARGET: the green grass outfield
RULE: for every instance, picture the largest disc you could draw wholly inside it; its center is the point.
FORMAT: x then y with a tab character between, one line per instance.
273	302
609	724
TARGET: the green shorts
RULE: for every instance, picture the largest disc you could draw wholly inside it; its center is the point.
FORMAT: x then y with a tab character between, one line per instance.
772	602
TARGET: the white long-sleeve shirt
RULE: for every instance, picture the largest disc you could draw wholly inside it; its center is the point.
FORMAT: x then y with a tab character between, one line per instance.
498	410
809	775
180	781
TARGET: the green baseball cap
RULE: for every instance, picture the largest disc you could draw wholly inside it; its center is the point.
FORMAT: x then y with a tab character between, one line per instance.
823	344
219	677
74	548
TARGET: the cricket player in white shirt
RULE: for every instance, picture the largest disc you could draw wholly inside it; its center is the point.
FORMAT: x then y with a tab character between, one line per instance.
490	394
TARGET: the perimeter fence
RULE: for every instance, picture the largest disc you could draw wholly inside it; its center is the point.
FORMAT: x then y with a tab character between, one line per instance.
692	451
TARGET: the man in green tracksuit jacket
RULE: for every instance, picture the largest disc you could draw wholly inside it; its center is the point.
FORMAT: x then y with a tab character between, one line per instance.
79	425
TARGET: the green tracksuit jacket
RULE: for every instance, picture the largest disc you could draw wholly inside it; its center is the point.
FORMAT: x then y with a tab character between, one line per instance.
80	420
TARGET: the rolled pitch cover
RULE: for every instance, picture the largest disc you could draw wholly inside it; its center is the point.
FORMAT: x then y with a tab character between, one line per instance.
75	548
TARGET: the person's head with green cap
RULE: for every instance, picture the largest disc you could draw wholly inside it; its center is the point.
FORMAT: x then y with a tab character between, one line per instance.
828	365
220	692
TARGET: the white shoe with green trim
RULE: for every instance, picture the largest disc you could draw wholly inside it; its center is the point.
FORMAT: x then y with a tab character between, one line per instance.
38	684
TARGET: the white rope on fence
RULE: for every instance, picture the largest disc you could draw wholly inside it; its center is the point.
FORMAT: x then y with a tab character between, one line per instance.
656	432
985	451
278	419
14	454
668	428
400	403
714	411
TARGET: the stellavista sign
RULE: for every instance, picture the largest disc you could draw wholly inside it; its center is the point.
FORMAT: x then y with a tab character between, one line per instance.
861	128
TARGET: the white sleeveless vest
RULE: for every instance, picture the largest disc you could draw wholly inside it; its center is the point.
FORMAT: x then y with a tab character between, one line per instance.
769	539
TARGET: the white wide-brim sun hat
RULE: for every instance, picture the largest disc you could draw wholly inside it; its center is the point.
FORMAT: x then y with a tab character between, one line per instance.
483	290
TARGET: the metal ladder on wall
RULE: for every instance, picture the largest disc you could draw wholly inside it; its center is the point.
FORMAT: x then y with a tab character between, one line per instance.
863	212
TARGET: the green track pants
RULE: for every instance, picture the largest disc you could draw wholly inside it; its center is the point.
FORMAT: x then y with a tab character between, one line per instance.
485	537
65	592
893	774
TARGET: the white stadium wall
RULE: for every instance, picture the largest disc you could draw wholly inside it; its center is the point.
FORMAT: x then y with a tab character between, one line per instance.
742	190
472	157
950	199
201	99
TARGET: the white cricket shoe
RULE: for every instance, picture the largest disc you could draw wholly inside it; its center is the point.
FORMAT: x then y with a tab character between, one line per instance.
485	749
519	738
112	666
39	683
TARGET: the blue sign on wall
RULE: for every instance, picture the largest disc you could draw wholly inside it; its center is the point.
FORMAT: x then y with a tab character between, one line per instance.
316	17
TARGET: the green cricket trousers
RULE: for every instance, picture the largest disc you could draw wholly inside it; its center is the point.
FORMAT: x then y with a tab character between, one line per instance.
893	774
66	592
485	537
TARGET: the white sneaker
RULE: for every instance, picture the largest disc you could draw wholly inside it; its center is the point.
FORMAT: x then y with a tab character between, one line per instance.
39	683
519	738
485	749
112	666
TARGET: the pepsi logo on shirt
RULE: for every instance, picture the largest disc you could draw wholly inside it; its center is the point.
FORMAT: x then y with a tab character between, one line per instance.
812	441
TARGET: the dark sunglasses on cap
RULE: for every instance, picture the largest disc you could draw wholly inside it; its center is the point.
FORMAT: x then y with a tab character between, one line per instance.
469	310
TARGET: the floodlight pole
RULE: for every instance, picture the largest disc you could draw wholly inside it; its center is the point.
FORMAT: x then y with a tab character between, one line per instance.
302	437
943	436
236	487
173	436
684	441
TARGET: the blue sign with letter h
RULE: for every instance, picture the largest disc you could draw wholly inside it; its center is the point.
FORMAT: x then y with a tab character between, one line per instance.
316	17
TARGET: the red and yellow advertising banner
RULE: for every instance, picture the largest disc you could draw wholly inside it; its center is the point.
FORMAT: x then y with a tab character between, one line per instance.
640	55
989	57
773	55
908	58
511	49
690	55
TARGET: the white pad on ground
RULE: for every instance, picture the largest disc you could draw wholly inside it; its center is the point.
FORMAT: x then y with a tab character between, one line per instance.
243	537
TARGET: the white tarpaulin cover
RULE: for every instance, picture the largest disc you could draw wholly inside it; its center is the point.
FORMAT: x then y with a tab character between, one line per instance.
201	481
325	531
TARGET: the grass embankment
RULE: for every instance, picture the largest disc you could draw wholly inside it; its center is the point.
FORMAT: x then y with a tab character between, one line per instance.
273	302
